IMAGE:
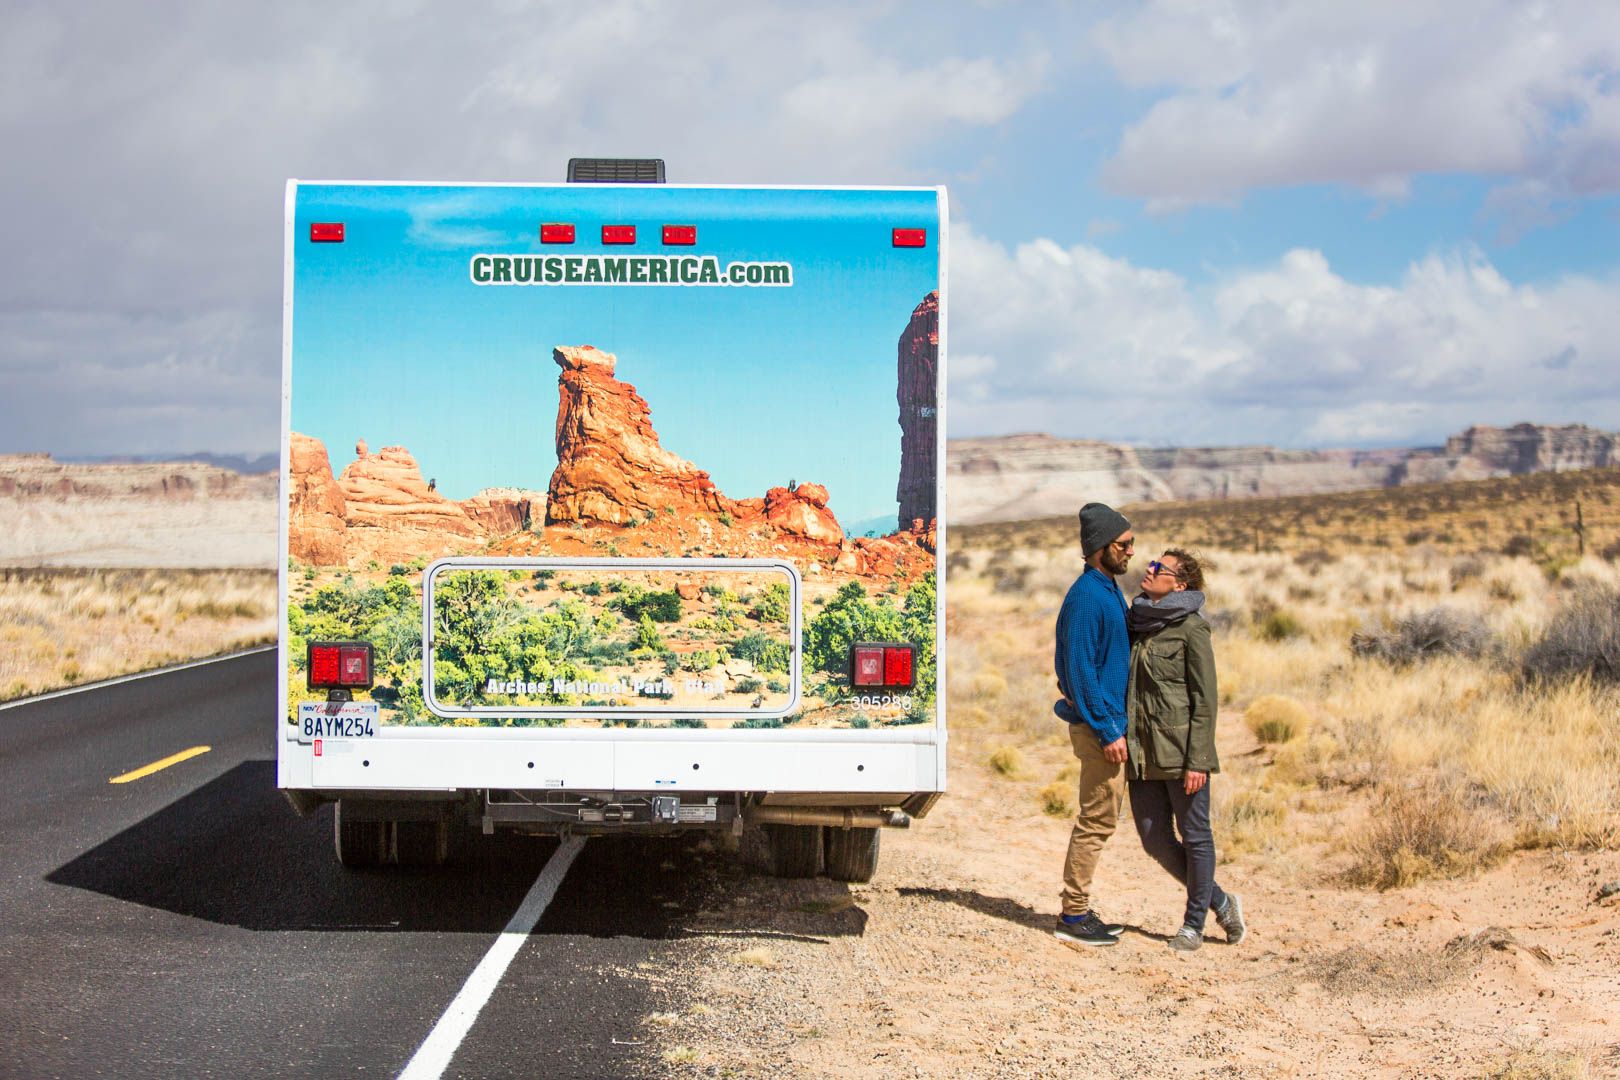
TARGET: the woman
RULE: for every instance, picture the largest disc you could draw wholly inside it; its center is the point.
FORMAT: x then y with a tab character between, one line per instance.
1171	702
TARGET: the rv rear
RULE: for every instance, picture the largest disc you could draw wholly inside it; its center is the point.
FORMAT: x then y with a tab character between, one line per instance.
613	508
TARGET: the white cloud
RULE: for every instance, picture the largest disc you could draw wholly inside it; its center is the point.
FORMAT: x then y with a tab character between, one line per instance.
1084	345
1369	95
147	147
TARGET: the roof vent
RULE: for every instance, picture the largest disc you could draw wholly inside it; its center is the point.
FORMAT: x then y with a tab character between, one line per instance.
586	170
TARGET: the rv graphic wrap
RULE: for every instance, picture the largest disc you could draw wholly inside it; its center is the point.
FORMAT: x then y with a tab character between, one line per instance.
674	507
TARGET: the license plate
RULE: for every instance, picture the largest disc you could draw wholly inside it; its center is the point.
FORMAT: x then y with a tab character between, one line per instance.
337	719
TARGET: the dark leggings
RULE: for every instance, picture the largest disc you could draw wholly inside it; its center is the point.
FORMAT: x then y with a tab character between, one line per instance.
1190	859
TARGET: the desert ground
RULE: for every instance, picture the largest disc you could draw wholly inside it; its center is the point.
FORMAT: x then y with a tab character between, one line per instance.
1420	697
1418	804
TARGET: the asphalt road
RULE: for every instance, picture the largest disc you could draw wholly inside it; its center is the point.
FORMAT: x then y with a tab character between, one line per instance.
190	924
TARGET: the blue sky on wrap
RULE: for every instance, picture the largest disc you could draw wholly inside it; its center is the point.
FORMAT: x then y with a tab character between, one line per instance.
395	344
1309	224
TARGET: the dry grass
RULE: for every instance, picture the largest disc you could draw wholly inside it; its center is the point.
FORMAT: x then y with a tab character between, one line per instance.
1534	1063
66	627
1438	690
1418	833
1009	762
1276	718
760	957
1057	798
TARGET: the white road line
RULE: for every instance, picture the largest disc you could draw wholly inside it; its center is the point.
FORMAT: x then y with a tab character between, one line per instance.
4	705
433	1057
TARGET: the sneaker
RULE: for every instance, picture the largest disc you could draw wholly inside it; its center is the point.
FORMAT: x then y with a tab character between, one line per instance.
1231	919
1186	939
1084	929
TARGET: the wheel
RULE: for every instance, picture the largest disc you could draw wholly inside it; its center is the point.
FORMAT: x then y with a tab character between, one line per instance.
795	850
358	843
852	854
421	843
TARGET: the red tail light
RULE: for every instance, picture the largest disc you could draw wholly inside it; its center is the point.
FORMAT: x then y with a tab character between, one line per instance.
326	232
556	233
680	234
897	665
323	666
339	665
618	234
910	237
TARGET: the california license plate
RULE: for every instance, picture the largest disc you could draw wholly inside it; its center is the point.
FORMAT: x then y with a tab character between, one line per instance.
337	719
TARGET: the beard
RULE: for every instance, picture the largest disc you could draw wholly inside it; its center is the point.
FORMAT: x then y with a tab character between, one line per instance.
1114	561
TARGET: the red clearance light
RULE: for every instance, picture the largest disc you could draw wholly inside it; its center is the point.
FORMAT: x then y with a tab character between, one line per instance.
556	233
618	234
910	237
866	667
897	665
680	234
326	232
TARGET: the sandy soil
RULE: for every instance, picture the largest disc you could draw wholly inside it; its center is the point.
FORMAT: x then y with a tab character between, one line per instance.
945	966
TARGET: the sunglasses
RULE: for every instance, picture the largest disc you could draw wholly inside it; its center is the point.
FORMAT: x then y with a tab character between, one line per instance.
1157	567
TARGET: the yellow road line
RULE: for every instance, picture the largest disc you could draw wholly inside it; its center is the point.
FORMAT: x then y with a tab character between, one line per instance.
148	770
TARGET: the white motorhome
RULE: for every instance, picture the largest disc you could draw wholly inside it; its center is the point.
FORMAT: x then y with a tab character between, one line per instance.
613	506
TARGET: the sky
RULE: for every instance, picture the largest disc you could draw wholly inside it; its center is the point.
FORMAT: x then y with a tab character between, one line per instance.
1305	224
395	340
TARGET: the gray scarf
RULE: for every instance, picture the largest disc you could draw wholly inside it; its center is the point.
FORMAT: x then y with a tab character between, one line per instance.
1147	617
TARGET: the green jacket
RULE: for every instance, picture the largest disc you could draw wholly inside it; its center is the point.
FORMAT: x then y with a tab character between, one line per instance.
1171	701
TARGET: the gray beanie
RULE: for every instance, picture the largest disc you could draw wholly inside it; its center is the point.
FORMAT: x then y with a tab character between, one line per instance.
1100	525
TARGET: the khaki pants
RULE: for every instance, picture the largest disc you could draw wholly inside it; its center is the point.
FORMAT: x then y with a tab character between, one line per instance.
1102	789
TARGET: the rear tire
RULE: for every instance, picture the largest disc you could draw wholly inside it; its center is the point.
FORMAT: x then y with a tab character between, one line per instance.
359	844
795	850
852	854
422	843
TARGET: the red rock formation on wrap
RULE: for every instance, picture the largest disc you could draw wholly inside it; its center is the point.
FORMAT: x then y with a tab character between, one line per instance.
803	512
498	511
381	508
610	466
919	408
316	521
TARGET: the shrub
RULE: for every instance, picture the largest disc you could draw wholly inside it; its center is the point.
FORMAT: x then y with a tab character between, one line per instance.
1583	638
1277	625
749	686
1008	761
1420	833
1276	719
1520	545
1424	634
1057	799
1312	560
1464	570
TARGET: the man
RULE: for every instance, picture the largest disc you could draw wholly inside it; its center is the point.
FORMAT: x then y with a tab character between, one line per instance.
1092	658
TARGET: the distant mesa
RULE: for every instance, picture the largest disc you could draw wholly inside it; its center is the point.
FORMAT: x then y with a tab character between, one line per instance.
1017	477
40	474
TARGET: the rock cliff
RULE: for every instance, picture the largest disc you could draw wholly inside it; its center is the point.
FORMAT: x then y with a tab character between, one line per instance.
380	508
919	408
610	466
316	510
